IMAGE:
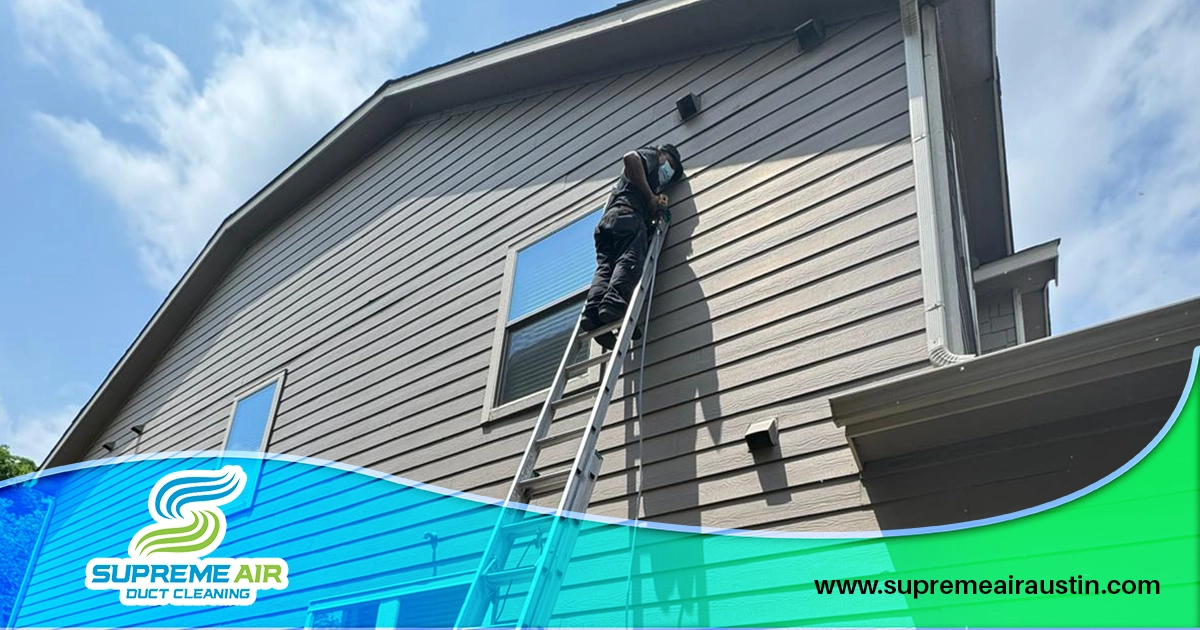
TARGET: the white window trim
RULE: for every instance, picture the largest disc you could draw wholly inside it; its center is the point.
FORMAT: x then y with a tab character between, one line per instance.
252	482
388	597
491	411
278	379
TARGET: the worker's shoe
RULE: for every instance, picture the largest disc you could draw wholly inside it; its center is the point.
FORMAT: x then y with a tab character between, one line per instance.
609	339
608	314
589	322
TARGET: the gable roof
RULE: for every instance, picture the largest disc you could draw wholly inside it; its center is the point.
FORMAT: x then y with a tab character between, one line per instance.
627	34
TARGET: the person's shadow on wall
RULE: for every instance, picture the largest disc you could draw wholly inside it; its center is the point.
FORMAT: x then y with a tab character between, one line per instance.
682	391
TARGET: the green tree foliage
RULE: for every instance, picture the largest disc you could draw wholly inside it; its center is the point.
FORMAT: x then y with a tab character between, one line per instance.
14	465
22	511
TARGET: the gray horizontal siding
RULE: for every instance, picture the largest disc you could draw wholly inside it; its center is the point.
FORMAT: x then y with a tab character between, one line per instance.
790	273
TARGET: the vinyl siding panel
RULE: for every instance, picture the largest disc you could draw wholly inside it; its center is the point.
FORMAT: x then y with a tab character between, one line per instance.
790	273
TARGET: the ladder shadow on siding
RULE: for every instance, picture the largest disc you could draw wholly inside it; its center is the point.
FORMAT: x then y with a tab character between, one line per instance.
672	582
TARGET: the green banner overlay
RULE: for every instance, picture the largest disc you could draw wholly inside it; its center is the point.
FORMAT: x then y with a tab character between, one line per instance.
236	540
1138	531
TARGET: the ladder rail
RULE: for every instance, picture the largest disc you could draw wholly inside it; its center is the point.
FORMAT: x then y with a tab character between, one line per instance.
550	565
577	493
612	372
498	545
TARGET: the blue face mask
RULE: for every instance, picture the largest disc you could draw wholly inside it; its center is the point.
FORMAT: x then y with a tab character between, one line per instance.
665	173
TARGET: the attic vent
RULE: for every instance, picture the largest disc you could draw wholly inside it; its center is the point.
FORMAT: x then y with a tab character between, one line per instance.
810	34
688	106
763	434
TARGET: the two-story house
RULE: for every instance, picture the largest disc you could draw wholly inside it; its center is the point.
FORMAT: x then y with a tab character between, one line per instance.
840	261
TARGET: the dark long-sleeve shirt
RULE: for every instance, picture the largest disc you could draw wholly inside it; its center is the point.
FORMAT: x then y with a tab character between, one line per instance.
625	193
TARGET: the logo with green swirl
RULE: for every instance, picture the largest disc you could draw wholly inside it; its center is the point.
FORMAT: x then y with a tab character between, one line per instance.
186	507
166	564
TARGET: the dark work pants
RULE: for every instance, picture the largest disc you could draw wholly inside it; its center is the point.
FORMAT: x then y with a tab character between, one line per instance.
620	252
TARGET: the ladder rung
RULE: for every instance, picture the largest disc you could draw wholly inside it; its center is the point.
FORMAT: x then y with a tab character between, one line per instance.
508	576
587	393
559	438
596	332
547	481
528	525
581	366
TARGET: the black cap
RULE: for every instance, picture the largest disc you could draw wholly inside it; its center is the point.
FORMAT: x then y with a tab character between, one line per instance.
670	150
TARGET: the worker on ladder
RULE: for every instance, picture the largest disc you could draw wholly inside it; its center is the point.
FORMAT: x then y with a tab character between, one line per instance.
636	202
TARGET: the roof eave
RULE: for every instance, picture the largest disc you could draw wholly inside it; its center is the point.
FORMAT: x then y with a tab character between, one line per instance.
972	76
1124	349
1030	269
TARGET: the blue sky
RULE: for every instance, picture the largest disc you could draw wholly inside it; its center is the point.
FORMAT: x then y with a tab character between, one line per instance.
128	131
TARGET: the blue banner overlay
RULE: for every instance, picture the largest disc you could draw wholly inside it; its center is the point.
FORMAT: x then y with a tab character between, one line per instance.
216	539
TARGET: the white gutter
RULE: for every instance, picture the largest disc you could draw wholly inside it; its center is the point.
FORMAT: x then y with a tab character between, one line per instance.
935	227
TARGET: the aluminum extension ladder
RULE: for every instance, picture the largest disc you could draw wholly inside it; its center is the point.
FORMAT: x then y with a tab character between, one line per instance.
496	579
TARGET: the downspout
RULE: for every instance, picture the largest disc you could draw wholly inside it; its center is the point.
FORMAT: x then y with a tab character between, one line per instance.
934	225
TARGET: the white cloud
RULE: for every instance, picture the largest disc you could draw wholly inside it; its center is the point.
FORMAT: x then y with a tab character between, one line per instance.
33	435
283	75
1102	130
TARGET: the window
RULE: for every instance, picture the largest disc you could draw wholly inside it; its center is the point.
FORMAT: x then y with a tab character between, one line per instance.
252	416
547	282
249	428
428	603
431	608
362	615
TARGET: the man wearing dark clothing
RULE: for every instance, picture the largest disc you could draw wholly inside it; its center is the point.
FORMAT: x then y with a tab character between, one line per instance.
621	236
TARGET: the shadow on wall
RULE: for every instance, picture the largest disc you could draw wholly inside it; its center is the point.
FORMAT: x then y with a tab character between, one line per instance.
666	450
1006	473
